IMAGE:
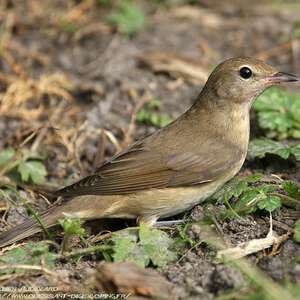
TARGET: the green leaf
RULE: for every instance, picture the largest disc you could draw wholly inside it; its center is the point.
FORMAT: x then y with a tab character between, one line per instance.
32	155
104	2
296	30
235	187
279	113
150	245
295	150
164	120
127	18
254	178
294	289
260	147
149	114
297	231
269	203
68	26
33	170
292	189
155	103
248	195
247	202
6	155
126	248
72	226
267	188
30	254
156	244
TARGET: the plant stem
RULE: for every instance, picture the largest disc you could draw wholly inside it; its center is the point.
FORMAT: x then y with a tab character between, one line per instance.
84	251
287	200
35	215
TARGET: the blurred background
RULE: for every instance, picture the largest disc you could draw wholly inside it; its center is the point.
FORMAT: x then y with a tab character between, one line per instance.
80	80
75	74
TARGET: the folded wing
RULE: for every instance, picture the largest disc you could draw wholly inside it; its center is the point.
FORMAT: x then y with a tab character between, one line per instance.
139	168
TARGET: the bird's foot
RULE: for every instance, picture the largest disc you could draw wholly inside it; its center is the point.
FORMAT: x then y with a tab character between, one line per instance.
152	221
168	223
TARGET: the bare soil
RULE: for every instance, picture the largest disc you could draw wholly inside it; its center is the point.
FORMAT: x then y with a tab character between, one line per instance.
107	78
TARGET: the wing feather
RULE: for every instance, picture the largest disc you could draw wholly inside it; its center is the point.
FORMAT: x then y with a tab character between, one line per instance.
138	168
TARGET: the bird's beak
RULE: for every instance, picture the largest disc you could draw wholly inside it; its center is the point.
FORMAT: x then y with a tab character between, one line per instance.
281	77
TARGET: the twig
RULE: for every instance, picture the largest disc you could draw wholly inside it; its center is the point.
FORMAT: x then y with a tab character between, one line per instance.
100	155
7	79
109	234
275	50
11	247
100	237
11	164
79	10
92	249
188	251
43	131
267	285
176	66
27	267
296	54
39	57
90	29
282	226
35	215
129	132
84	251
254	245
6	277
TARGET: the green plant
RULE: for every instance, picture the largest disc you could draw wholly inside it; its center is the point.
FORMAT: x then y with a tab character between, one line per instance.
296	235
183	237
291	189
31	254
143	247
27	165
104	2
149	114
127	18
244	195
279	113
175	2
68	26
260	147
296	30
7	192
71	227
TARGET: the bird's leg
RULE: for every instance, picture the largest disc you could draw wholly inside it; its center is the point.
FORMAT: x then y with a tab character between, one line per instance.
152	221
168	223
149	220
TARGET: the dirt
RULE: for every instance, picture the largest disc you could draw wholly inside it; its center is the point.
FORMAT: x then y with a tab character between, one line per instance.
198	276
108	79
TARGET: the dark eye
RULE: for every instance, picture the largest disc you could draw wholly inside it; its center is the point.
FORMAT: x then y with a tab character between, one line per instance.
245	72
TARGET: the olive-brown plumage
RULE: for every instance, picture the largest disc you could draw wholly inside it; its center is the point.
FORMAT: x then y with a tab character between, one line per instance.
179	165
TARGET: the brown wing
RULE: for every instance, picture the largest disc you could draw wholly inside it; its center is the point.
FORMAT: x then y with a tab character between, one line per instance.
139	168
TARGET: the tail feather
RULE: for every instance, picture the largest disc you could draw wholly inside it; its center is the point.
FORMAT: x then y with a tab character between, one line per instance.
30	227
83	207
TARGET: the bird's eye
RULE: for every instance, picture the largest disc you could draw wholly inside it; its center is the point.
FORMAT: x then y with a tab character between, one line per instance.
245	72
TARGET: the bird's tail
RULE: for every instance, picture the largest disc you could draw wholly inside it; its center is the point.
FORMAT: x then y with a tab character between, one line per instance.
30	227
84	207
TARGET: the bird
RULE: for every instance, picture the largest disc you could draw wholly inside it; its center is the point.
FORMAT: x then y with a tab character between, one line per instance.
176	167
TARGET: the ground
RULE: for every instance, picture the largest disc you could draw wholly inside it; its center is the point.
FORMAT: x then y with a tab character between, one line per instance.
70	89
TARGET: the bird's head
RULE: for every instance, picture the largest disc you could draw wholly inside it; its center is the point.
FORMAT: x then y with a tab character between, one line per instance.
241	80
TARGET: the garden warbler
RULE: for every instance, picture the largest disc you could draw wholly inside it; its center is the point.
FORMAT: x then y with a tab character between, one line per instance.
177	166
